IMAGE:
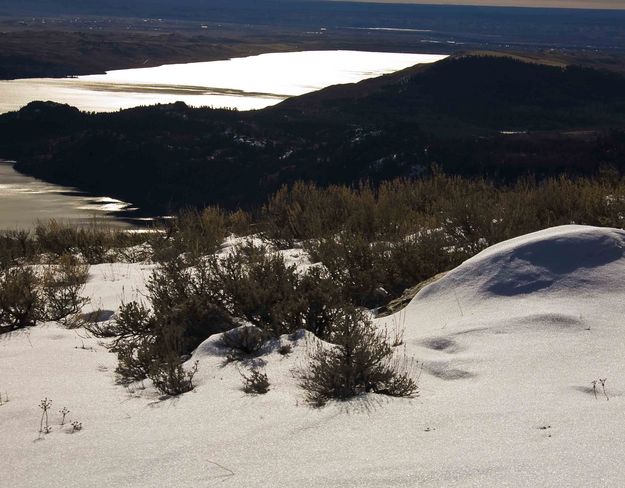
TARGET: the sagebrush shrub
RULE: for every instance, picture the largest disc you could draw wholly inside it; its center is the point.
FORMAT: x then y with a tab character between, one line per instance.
189	299
16	246
147	348
359	360
255	382
295	213
358	232
285	349
170	377
400	378
184	313
135	333
370	274
58	239
322	299
240	223
94	242
21	304
135	359
194	303
356	265
192	232
417	258
62	285
258	286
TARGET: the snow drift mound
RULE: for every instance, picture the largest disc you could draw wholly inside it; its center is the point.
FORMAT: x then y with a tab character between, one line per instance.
570	258
554	298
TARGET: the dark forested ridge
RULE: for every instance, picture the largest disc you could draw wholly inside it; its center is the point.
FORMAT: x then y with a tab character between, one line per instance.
476	94
457	114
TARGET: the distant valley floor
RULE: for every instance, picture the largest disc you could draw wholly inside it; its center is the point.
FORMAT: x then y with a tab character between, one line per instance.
54	42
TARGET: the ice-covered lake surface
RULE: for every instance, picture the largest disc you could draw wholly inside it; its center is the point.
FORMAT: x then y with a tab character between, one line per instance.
25	200
243	83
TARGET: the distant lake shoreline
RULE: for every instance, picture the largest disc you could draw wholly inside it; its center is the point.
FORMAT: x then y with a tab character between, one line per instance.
248	83
25	200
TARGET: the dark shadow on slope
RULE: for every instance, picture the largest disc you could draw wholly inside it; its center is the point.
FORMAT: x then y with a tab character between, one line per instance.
445	372
442	344
538	265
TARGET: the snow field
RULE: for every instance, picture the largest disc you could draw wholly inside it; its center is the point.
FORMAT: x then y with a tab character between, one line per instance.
510	342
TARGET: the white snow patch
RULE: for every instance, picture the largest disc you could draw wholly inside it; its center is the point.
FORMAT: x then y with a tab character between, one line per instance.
510	342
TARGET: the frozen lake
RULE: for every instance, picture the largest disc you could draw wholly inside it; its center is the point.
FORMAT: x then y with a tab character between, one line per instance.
243	83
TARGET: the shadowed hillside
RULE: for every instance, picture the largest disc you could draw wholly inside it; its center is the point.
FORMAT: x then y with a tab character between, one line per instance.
451	113
476	94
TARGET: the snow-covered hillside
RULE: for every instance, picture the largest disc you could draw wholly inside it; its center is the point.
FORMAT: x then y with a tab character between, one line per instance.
510	342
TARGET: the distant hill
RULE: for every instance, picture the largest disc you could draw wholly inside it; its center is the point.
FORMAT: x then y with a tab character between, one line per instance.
470	115
476	94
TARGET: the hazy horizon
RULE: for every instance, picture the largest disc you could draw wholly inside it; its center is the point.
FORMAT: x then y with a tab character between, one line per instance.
145	7
577	4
